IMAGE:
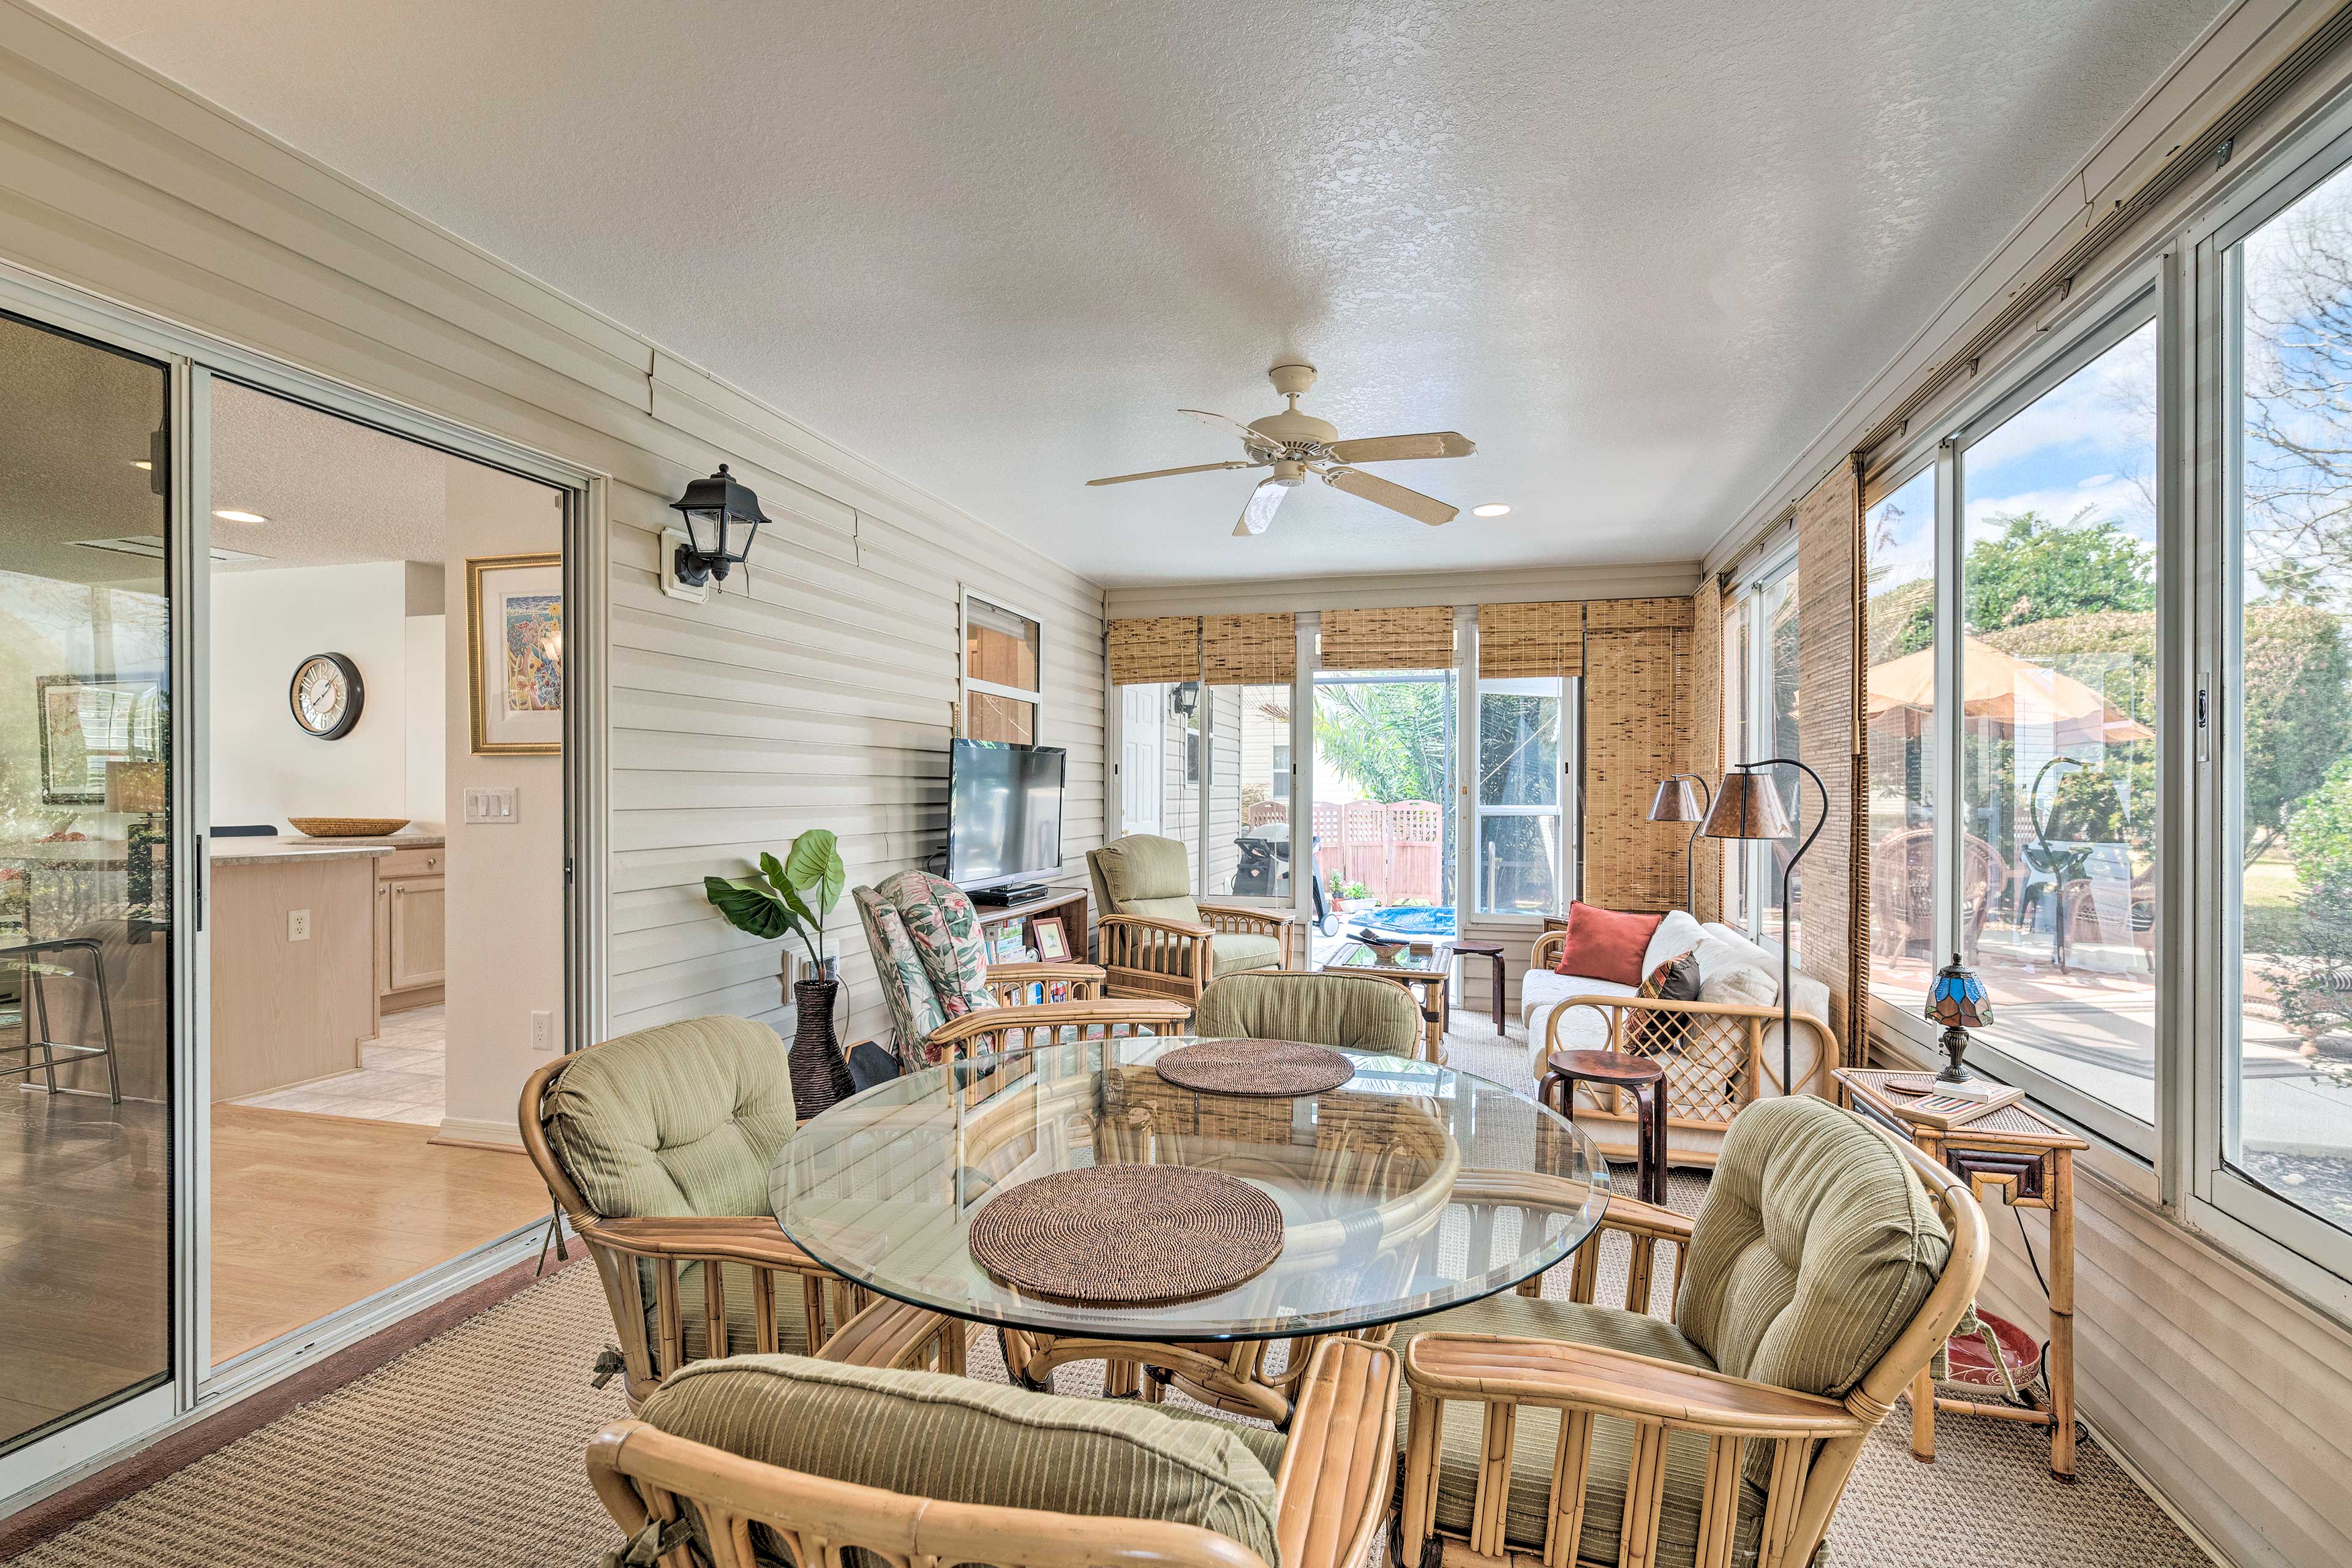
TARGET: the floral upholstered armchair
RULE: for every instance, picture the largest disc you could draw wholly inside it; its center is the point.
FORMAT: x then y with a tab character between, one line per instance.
947	1000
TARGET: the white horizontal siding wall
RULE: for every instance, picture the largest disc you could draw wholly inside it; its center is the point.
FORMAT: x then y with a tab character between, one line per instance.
817	691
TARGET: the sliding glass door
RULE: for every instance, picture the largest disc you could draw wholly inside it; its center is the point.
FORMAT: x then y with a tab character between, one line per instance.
87	758
1384	816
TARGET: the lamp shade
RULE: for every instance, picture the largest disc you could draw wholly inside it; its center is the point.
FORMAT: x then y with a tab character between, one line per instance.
1958	999
1747	805
1678	801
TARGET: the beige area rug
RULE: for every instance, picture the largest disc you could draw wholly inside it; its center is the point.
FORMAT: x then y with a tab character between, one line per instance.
467	1450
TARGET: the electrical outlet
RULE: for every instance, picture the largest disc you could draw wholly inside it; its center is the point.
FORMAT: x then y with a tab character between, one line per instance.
297	925
542	1032
491	807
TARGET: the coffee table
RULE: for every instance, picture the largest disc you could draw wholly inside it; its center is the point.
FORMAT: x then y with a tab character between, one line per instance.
1409	1189
1429	975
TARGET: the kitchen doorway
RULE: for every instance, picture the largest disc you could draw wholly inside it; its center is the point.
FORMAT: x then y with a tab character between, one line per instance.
385	858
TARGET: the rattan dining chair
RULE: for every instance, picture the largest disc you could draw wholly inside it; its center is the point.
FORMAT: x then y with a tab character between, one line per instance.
1826	1268
656	1147
1345	1012
777	1459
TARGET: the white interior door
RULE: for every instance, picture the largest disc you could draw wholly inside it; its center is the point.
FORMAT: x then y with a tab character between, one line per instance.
1139	717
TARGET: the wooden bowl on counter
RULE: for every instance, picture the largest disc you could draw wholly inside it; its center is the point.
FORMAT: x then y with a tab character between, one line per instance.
348	826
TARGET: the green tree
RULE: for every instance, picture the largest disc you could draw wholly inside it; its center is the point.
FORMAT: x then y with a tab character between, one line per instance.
1390	738
2038	570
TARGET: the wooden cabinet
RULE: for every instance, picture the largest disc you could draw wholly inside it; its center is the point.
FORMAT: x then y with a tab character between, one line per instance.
411	926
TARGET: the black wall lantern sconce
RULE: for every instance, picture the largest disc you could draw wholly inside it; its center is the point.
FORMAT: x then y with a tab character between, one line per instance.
1184	699
722	517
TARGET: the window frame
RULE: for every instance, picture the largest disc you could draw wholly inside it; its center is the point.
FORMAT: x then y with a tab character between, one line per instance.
968	683
1753	857
1566	696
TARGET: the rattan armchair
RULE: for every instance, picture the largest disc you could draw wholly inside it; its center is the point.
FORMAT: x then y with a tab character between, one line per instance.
1719	1058
1331	1489
1774	1459
1155	939
682	1284
948	1001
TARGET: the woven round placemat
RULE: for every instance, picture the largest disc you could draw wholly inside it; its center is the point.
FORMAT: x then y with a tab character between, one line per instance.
1127	1236
1285	1069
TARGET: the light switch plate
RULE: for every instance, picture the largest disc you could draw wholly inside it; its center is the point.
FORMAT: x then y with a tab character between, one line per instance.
491	807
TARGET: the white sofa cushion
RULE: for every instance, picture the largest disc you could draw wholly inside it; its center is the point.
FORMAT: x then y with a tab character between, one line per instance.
1542	990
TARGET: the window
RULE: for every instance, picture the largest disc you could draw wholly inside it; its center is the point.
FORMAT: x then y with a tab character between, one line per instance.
1248	792
1003	683
1735	748
2285	1107
2057	744
1899	626
1518	868
1759	714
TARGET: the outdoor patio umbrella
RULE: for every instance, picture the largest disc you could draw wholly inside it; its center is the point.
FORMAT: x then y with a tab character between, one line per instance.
2003	689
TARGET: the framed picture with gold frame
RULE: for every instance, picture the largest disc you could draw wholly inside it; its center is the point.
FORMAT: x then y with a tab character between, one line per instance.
514	648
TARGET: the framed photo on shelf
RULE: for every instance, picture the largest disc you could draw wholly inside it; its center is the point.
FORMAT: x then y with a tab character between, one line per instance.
514	643
1052	947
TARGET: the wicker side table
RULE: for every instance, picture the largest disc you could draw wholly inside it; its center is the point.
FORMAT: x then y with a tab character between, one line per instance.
2029	1160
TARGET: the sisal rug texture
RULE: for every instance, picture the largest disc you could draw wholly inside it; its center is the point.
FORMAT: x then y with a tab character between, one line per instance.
466	1450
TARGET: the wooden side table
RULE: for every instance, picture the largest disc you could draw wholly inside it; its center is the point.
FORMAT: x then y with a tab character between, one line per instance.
1428	976
2029	1160
1642	1078
1493	953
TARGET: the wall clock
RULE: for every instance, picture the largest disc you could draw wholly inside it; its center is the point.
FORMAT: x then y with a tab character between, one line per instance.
326	695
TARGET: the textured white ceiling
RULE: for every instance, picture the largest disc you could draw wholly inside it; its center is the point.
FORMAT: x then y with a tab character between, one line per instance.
1641	253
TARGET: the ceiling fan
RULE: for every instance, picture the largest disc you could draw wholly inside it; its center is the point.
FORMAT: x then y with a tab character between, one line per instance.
1295	445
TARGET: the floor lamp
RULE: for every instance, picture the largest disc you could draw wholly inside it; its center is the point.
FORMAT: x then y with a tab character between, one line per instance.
1747	806
1677	800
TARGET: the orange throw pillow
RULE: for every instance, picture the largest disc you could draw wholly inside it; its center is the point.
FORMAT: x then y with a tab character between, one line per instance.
1605	944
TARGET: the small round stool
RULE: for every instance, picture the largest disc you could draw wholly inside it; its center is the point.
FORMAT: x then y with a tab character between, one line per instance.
1564	1070
1493	953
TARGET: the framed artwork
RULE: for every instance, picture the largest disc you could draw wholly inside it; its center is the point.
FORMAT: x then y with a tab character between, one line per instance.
1051	947
88	722
514	643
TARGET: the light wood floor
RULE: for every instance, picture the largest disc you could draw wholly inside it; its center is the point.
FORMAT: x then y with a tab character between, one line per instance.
312	1213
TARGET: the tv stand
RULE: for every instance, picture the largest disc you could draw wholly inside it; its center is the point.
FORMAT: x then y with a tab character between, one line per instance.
1010	893
1064	907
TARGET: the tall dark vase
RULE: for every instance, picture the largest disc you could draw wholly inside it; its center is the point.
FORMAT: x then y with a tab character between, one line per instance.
820	1077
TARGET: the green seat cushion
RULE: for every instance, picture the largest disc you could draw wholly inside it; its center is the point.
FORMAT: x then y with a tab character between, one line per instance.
953	1439
742	1328
1346	1012
1144	876
1239	952
1814	1249
680	1118
1535	1439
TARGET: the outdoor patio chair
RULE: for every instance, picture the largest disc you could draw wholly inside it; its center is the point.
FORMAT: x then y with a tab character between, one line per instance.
947	1000
1155	939
781	1459
1824	1271
656	1146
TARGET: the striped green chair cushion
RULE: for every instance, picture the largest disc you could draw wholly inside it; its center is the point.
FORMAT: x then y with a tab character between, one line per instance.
1536	1438
681	1118
957	1440
1144	876
1239	952
1346	1012
1815	1247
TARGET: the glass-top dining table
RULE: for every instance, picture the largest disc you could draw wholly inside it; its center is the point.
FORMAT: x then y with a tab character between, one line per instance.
1410	1188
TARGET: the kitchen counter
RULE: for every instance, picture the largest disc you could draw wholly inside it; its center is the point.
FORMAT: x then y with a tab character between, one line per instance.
273	851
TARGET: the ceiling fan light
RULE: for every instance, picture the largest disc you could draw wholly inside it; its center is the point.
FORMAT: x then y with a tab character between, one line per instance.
1492	509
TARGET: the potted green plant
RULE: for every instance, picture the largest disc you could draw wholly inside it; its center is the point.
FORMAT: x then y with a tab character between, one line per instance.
793	896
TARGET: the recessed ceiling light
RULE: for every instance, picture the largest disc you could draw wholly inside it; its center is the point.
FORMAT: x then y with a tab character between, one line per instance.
227	515
143	463
1492	509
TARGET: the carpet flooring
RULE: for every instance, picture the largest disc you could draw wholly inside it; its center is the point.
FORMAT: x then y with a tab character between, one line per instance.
467	1450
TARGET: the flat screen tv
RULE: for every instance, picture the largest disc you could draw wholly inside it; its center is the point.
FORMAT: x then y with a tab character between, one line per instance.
1004	812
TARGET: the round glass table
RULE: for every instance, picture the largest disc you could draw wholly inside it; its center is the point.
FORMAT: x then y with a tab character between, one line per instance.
1410	1189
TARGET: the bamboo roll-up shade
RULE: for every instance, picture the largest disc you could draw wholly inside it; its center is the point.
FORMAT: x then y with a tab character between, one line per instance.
1155	649
1636	615
1520	640
1419	636
1249	650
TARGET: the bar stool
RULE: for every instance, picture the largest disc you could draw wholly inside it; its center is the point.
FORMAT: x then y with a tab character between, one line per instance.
1493	953
1644	1078
37	1018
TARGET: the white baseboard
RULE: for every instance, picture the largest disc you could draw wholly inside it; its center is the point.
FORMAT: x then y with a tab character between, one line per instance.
463	1134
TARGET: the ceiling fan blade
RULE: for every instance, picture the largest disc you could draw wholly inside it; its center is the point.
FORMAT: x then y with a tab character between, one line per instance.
1231	426
1260	509
1163	473
1395	448
1396	497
